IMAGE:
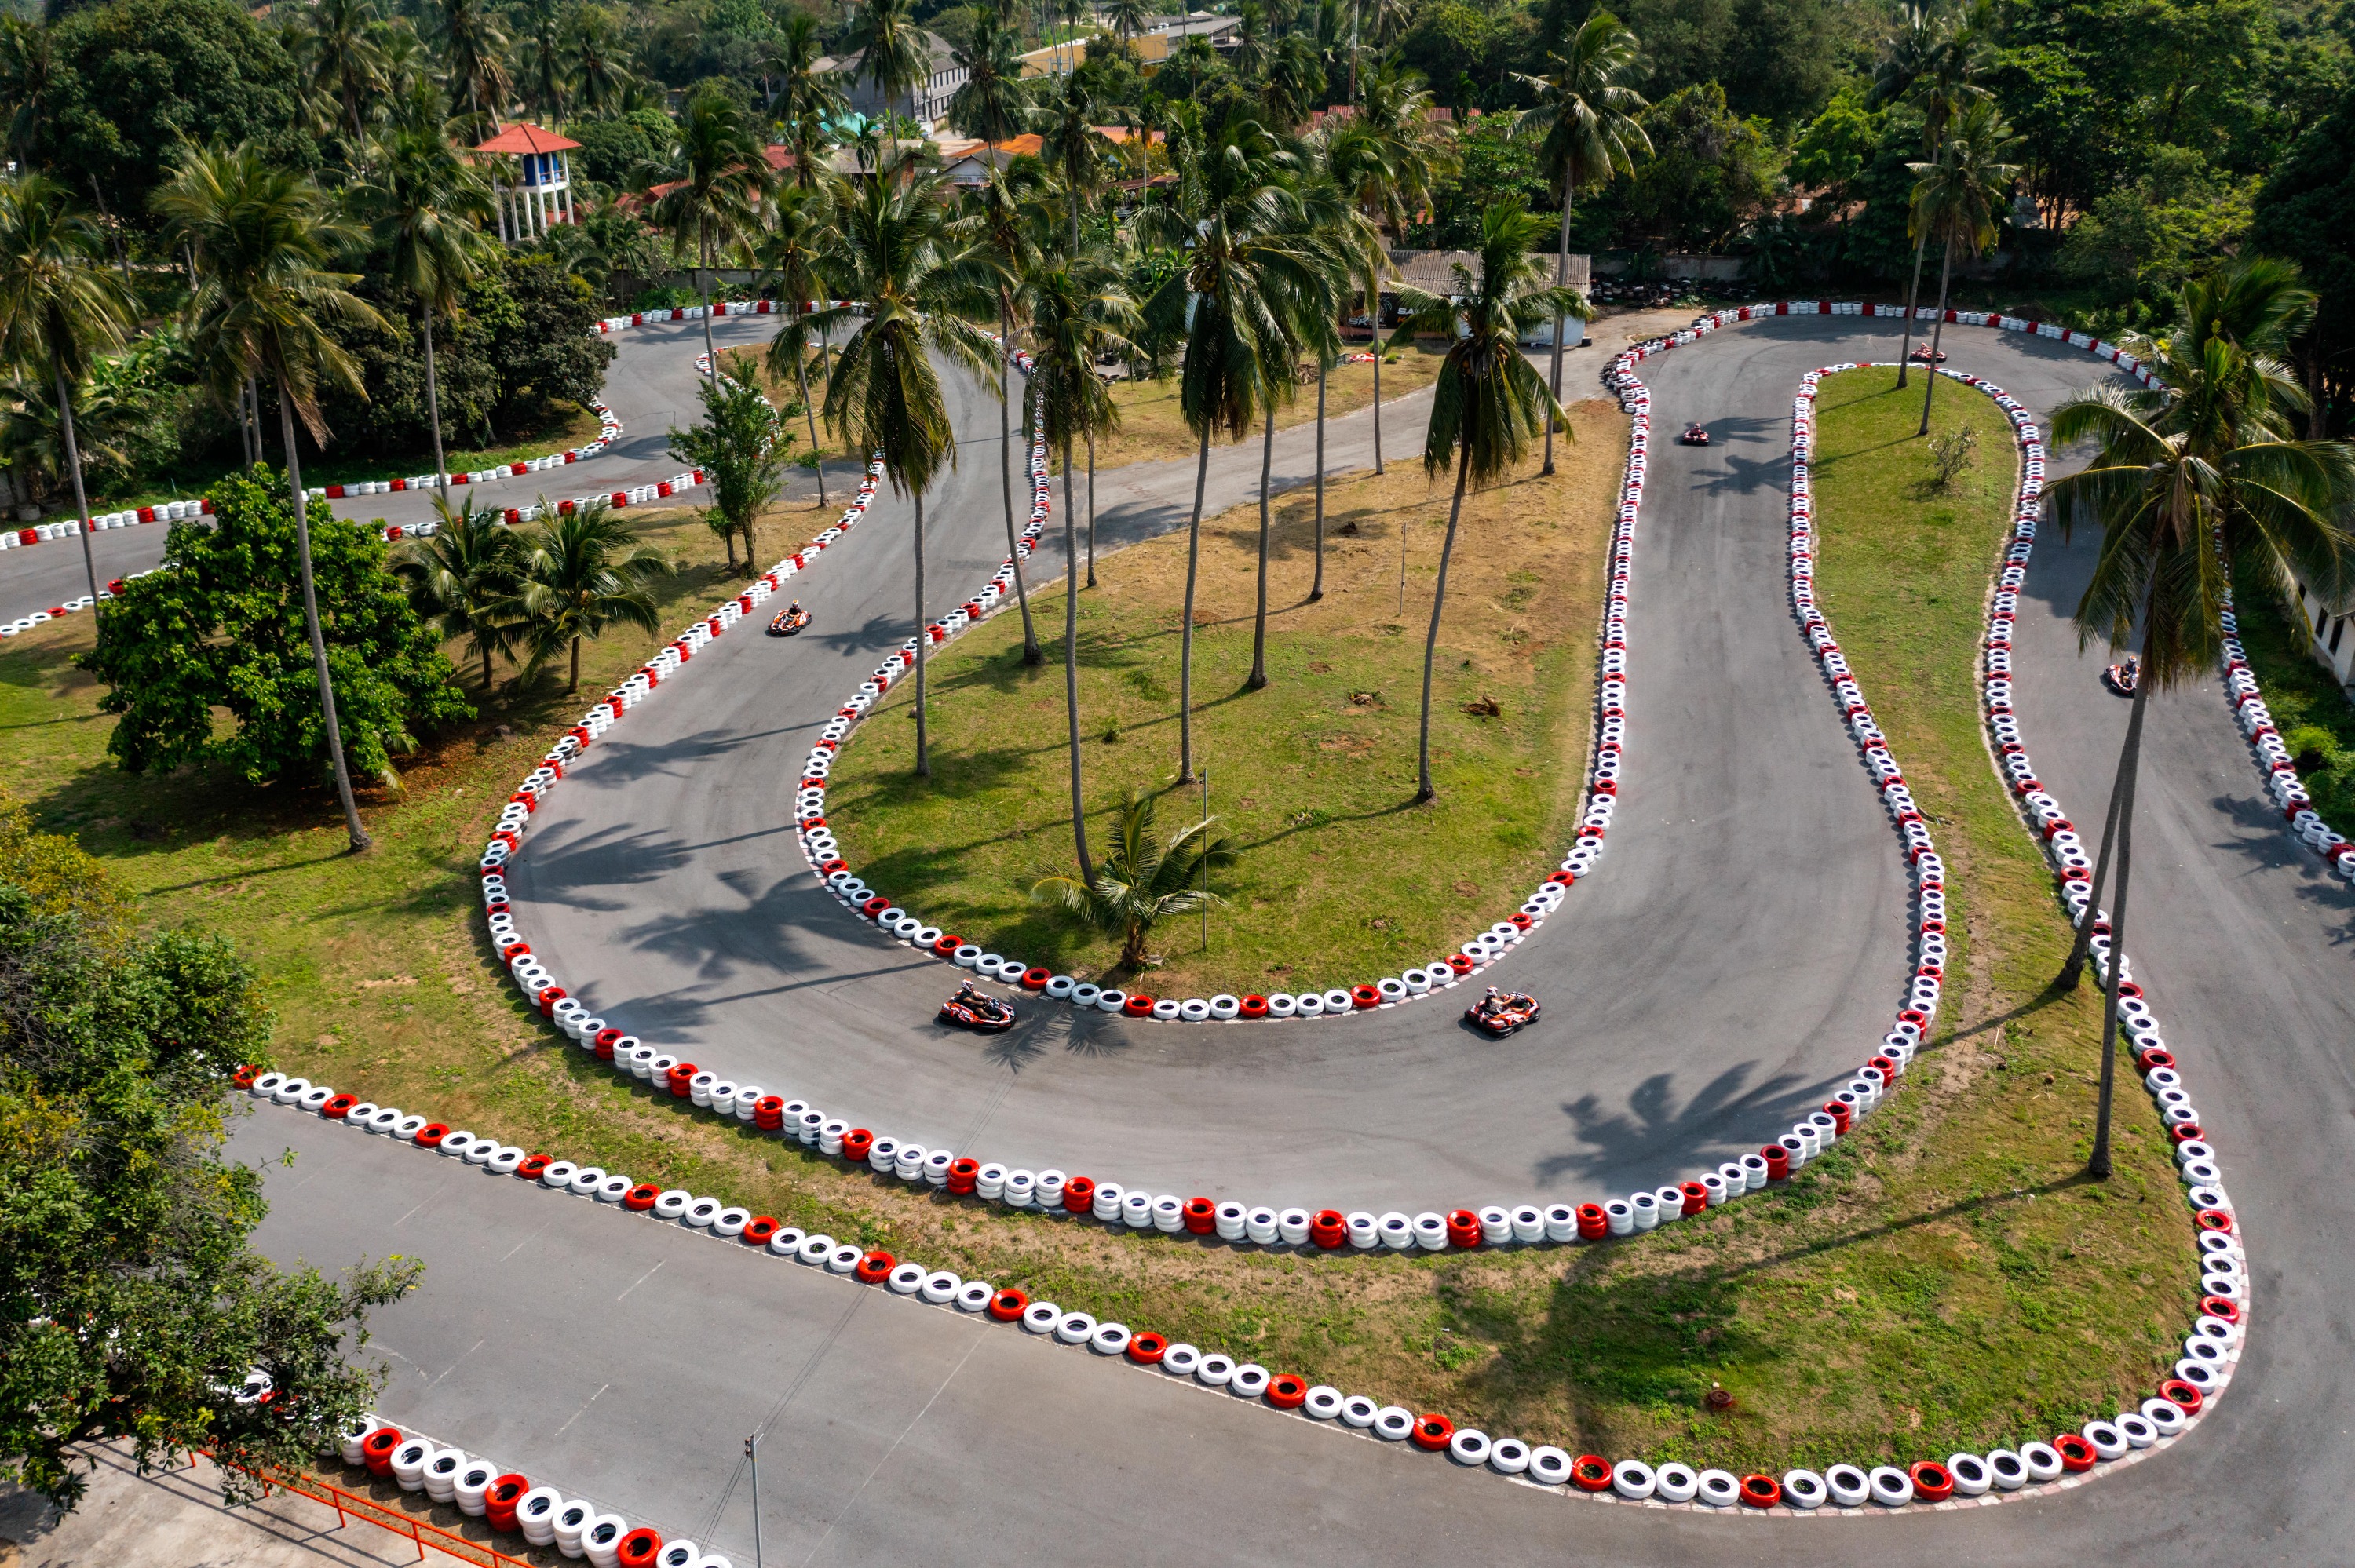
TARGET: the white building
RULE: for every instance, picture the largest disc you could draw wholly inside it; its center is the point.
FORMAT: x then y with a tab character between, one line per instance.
531	170
2333	647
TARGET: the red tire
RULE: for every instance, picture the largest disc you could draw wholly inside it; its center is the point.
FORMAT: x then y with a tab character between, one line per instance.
1364	996
1036	977
2182	1395
1328	1229
1285	1391
1841	1114
1761	1492
1591	1473
335	1109
1464	1229
1254	1007
2077	1456
948	944
1778	1162
857	1145
875	1268
963	1175
1593	1225
681	1078
430	1135
534	1166
1080	1194
499	1502
1933	1482
638	1549
1696	1197
758	1232
377	1448
1007	1305
2220	1307
1146	1350
2150	1061
606	1040
243	1077
2187	1133
1523	921
873	907
1431	1433
1202	1215
2215	1219
1460	964
1138	1006
641	1198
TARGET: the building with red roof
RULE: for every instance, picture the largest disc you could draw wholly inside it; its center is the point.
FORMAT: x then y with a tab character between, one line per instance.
537	187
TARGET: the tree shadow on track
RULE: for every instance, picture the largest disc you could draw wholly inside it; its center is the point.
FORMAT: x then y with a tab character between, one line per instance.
1726	1111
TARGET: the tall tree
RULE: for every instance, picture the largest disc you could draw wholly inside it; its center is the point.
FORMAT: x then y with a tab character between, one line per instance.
2192	480
600	74
793	250
891	50
741	448
1236	205
1077	312
1075	150
464	577
583	573
265	241
1587	112
426	207
1960	196
346	61
708	186
1488	405
921	290
1931	57
58	306
1001	225
473	51
993	103
805	95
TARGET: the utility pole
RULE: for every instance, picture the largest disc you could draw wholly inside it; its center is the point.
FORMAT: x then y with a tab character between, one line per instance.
752	1452
1206	861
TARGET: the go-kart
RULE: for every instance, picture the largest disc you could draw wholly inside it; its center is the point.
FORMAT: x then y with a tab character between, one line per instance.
1502	1011
1694	436
976	1010
790	620
2122	678
1924	354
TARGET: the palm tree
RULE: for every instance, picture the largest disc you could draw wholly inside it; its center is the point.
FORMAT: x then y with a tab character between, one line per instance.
1587	112
58	305
792	251
425	207
545	58
993	104
1294	82
920	290
346	61
474	47
1074	148
1959	195
805	95
1236	206
465	578
1141	881
889	43
717	171
1353	249
582	573
264	240
740	448
1077	312
601	76
1128	16
1930	58
1488	405
1251	51
1001	224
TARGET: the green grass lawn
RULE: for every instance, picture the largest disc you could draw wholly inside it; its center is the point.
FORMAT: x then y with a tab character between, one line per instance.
1943	1280
1153	429
2309	707
1341	879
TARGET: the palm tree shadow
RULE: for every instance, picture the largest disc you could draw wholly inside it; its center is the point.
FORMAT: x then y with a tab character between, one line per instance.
1725	1111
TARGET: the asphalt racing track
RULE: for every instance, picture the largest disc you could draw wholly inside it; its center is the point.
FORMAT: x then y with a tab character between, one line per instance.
1743	945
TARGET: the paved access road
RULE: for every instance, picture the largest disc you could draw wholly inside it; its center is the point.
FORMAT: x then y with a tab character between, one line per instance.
898	1431
650	386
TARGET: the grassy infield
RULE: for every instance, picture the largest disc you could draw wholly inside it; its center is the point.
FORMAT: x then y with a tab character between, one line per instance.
1941	1281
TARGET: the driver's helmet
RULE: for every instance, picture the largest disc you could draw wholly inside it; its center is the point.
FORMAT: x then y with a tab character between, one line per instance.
965	988
1493	993
792	607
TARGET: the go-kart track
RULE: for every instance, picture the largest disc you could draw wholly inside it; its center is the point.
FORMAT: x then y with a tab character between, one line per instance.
1724	970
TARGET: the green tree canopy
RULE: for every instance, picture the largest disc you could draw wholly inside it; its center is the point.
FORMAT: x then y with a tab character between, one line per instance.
130	1302
221	627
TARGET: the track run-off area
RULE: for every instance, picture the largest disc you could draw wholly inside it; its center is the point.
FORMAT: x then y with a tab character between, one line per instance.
1726	968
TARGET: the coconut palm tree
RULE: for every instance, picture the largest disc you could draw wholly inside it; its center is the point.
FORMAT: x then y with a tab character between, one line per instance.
584	572
1488	405
1931	56
805	95
425	208
1077	313
544	55
1587	112
993	104
1000	222
473	50
716	172
1143	881
1236	206
602	77
265	241
923	290
465	578
2193	481
1353	250
1959	195
889	43
1128	16
58	306
792	251
344	60
1075	150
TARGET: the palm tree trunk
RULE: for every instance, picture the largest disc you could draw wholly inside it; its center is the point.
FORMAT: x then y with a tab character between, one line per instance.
1071	665
703	282
253	411
923	640
244	429
1186	626
433	401
486	667
358	833
1374	315
1259	615
809	411
1424	787
1937	329
2073	970
1092	509
575	684
1560	280
81	502
1031	652
1912	294
1317	588
2129	768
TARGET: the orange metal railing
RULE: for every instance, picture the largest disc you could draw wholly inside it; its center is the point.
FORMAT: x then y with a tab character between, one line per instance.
349	1505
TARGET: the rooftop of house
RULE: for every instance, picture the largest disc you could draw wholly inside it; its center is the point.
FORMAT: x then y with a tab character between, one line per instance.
523	138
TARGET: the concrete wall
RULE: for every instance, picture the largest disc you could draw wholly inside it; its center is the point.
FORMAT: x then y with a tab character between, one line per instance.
2334	643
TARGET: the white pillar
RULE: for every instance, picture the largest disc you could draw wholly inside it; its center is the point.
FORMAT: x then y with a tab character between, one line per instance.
500	194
